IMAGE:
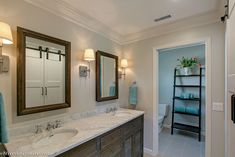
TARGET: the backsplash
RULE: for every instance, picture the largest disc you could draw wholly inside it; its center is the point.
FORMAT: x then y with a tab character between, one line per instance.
29	127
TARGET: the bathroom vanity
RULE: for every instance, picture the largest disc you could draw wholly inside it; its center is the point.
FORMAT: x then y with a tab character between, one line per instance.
123	141
114	134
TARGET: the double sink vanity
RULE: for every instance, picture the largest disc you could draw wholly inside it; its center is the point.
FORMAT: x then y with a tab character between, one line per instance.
114	134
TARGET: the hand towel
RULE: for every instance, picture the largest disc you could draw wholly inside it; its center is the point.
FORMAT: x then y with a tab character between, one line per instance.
133	94
192	110
112	90
180	108
3	122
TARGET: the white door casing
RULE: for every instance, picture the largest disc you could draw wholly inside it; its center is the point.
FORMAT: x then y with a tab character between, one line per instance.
208	118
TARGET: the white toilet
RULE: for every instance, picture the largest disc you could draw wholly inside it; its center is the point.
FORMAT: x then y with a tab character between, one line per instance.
162	113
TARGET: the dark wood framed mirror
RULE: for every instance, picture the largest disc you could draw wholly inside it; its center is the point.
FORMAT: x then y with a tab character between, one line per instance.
106	76
43	72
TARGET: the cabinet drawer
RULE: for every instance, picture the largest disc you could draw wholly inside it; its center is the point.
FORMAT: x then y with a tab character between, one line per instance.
86	150
132	126
109	139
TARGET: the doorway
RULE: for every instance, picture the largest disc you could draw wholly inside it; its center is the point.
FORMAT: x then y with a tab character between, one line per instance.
156	52
184	93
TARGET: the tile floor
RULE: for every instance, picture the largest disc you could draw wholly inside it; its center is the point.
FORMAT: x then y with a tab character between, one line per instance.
181	144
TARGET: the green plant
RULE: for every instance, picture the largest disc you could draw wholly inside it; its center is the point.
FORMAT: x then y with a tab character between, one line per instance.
188	62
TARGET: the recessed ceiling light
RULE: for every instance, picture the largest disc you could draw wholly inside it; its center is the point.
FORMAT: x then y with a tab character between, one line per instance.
163	18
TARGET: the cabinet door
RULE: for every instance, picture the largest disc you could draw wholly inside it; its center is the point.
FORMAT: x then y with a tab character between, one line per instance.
34	78
54	79
128	147
114	149
111	145
138	144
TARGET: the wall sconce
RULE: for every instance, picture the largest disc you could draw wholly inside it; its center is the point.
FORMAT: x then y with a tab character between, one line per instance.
5	38
124	65
89	56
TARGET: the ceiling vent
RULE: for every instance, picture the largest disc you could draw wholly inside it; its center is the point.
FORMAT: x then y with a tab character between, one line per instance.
163	18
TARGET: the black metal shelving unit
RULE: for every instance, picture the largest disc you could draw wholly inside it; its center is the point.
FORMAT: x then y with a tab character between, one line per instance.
181	126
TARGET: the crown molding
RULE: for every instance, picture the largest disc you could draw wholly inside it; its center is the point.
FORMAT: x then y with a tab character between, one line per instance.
63	9
187	23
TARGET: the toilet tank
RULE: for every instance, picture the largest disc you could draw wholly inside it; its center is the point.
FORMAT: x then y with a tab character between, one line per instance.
162	109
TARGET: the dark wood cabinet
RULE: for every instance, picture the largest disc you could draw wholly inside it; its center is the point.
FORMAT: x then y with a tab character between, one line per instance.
138	144
89	149
3	151
124	141
128	147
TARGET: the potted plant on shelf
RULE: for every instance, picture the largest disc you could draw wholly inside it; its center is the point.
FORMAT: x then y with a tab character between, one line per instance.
189	65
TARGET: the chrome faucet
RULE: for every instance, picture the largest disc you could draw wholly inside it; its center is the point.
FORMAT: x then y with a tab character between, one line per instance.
114	109
58	124
111	109
49	128
38	129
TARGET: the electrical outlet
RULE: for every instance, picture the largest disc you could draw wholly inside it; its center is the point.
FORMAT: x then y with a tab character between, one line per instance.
217	106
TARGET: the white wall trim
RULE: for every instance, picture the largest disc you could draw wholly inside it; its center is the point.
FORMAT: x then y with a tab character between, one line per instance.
66	11
187	23
208	55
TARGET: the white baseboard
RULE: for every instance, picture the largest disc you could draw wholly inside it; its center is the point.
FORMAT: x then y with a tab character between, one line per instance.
149	152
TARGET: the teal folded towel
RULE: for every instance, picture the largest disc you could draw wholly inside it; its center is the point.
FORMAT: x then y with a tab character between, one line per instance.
112	90
192	110
133	89
179	108
3	122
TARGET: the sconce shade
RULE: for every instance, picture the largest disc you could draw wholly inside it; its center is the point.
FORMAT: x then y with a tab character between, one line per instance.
124	63
5	33
89	55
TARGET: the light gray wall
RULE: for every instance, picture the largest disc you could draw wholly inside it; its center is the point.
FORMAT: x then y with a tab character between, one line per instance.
140	55
20	13
167	63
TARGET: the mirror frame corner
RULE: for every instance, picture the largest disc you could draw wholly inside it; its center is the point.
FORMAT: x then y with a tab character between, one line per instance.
98	79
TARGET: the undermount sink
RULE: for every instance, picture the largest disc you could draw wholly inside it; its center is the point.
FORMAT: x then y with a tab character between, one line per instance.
122	113
56	137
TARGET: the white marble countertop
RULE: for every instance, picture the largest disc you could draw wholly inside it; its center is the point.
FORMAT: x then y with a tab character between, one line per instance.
88	128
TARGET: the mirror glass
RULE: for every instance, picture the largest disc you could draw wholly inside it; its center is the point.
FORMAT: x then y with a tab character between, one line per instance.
106	76
43	72
108	82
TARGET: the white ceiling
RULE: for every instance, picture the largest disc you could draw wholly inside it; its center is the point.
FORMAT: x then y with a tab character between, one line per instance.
125	21
131	16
